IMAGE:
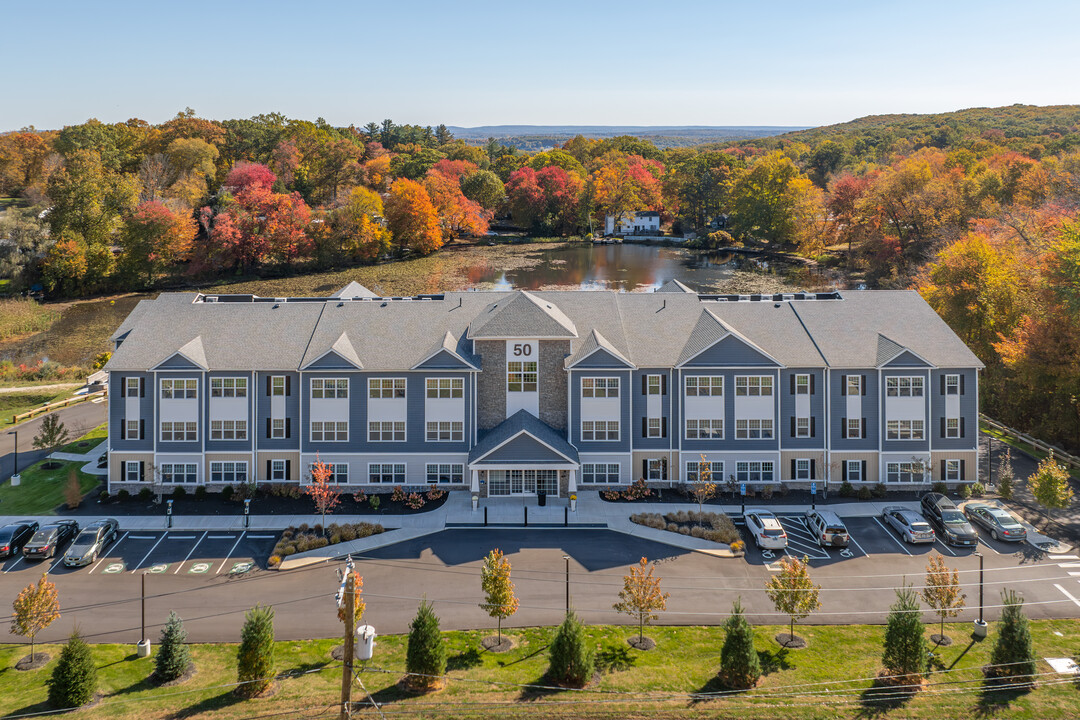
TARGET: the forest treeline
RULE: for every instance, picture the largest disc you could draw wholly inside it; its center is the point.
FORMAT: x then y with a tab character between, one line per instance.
978	209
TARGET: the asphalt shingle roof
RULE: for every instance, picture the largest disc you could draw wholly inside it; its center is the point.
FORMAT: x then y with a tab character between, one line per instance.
520	421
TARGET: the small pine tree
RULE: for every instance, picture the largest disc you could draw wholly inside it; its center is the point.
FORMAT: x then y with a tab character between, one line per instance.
255	658
905	655
1006	477
74	679
740	666
173	656
572	662
426	653
1013	657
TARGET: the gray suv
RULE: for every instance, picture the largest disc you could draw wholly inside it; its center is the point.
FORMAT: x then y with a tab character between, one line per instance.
946	517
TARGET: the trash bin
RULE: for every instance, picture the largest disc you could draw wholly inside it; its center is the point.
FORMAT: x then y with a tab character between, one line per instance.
541	498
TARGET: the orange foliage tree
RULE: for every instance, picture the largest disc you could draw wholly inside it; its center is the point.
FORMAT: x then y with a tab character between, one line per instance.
322	490
412	218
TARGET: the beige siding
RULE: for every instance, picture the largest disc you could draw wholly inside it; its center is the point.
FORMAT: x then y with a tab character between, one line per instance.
672	458
836	466
259	471
970	458
116	467
786	456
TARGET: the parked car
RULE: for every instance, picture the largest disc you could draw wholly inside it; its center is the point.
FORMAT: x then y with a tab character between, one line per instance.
999	523
14	536
911	525
828	528
766	530
49	539
947	518
91	542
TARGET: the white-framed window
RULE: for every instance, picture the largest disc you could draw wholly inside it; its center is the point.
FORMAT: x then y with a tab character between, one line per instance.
904	472
329	388
802	427
277	470
704	385
753	385
716	471
802	384
854	428
445	387
750	472
952	470
228	387
708	429
854	385
600	387
952	385
521	376
179	389
179	473
599	429
904	430
329	431
132	471
753	429
904	386
277	429
179	431
339	472
952	427
600	473
228	429
132	384
654	427
277	385
387	473
853	471
444	431
132	430
657	469
230	472
446	473
654	385
386	388
802	469
386	431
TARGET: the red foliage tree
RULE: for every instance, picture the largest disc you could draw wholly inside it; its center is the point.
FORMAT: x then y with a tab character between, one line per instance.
322	490
455	169
245	175
458	215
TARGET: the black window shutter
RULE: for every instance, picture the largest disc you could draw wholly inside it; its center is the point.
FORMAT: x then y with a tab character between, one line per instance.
961	384
288	427
268	385
813	424
644	427
963	474
843	384
863	474
813	469
663	468
269	469
288	385
942	427
942	384
288	469
142	387
942	470
645	469
863	423
961	426
663	384
792	426
862	383
142	471
792	384
811	383
123	429
268	427
123	387
663	427
793	468
644	384
843	427
142	429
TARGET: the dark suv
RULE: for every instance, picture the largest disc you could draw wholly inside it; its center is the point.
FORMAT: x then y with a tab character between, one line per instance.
14	536
943	514
49	539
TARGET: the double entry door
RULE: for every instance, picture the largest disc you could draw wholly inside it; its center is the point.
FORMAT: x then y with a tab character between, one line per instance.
522	482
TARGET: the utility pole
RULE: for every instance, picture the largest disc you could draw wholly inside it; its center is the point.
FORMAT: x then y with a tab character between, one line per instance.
143	604
348	650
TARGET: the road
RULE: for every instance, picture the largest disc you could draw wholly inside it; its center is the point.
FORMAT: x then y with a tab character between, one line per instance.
78	419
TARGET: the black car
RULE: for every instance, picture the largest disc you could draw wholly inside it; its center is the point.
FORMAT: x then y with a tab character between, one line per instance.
49	539
91	542
14	536
943	513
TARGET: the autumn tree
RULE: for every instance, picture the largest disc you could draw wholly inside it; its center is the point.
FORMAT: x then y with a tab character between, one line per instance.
358	598
35	608
773	201
624	184
154	239
458	215
356	231
335	163
499	599
793	593
641	596
245	175
484	187
1050	484
702	486
1006	477
942	593
88	199
255	227
412	218
322	490
28	242
65	265
51	433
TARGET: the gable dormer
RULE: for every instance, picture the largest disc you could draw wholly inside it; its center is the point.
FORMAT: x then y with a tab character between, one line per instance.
522	315
190	356
714	344
339	356
598	352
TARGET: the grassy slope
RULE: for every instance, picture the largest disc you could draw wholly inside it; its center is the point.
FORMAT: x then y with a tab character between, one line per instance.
17	403
42	491
93	438
684	661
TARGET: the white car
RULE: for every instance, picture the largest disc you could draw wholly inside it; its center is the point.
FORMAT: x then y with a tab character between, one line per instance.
766	530
912	526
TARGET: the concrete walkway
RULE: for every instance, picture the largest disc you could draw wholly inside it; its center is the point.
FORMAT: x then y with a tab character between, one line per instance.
90	459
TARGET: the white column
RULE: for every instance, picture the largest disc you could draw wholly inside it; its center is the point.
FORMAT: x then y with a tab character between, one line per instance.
475	485
572	485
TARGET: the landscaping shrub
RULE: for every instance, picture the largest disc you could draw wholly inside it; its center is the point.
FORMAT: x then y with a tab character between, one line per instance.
74	679
864	493
173	656
572	661
374	502
637	490
965	491
740	666
672	527
255	658
767	492
847	489
880	490
684	530
273	561
426	652
697	531
146	494
179	492
359	496
941	487
978	489
227	492
200	492
398	495
103	496
435	493
414	501
123	495
738	546
302	539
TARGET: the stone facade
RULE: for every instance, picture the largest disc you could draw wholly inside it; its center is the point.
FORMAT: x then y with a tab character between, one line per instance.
553	382
491	383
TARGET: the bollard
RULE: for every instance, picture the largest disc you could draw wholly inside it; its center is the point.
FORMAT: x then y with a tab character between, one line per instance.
566	517
485	516
526	516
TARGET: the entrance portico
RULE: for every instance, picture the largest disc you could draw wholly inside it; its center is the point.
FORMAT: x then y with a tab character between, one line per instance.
523	456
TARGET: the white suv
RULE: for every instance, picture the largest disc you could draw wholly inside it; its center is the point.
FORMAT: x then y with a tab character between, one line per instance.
767	531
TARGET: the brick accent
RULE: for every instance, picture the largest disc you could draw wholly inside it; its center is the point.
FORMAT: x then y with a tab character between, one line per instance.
553	382
491	383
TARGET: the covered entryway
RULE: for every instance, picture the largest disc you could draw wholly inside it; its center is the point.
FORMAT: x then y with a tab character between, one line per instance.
522	482
523	456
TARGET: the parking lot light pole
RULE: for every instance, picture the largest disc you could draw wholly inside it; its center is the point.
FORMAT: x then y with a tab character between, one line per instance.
15	468
980	624
567	559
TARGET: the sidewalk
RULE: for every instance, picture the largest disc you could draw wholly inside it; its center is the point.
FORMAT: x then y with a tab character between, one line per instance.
90	459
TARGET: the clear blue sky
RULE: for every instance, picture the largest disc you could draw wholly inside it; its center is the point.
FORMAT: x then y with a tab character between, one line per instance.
475	62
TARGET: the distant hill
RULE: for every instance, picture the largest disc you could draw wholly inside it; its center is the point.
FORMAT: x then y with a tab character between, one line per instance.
544	137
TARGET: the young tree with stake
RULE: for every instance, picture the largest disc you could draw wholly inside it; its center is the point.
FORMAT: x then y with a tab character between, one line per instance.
793	593
702	487
51	433
500	601
322	490
942	594
35	608
641	596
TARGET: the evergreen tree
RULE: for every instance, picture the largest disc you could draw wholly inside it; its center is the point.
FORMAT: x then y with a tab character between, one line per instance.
739	664
74	679
1013	657
255	659
173	656
426	653
905	655
572	662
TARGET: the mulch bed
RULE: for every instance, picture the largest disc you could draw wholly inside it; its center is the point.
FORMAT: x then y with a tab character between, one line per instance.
492	644
941	640
791	642
420	686
40	660
188	674
644	644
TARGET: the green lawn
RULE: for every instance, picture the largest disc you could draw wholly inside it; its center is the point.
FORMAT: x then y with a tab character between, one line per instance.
12	404
829	679
92	438
42	491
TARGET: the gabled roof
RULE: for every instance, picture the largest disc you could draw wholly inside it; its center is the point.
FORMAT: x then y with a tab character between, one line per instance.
522	315
343	348
596	342
192	351
449	345
354	290
674	286
887	349
523	424
708	332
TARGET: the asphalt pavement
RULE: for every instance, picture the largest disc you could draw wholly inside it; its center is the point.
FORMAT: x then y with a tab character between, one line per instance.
78	420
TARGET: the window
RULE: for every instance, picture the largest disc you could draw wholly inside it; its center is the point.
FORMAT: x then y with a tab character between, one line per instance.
132	386
228	387
230	472
854	385
904	472
904	430
750	472
952	427
952	470
854	428
179	389
753	429
277	429
600	387
132	472
600	473
802	384
452	473
445	387
753	385
386	431
389	473
179	432
329	388
132	432
329	431
705	429
277	470
802	470
445	431
599	429
699	385
521	376
386	388
654	385
178	473
656	469
654	427
339	472
228	429
802	427
277	385
952	385
853	470
904	386
716	471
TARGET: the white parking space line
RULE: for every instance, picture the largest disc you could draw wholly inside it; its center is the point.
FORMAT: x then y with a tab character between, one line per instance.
803	539
947	548
11	566
1067	594
220	537
261	537
1075	574
1068	565
189	553
241	537
143	537
851	538
890	534
113	548
1067	557
988	546
181	537
149	553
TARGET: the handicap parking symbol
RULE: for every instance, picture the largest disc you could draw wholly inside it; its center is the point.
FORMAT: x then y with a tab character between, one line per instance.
767	554
159	568
846	553
241	568
113	568
199	568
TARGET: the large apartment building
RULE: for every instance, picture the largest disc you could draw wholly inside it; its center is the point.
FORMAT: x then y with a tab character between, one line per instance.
515	393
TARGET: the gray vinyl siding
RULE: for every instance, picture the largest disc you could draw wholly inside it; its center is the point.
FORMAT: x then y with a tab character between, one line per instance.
168	448
331	361
179	362
292	411
817	409
415	423
118	408
442	360
305	405
601	358
626	431
906	359
920	446
969	410
730	442
838	408
733	352
524	449
639	408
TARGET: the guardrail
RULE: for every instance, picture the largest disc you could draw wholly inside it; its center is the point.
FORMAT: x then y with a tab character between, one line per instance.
74	400
1059	454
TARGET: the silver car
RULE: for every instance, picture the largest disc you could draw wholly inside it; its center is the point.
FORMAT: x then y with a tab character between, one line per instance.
828	528
999	523
91	542
911	525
